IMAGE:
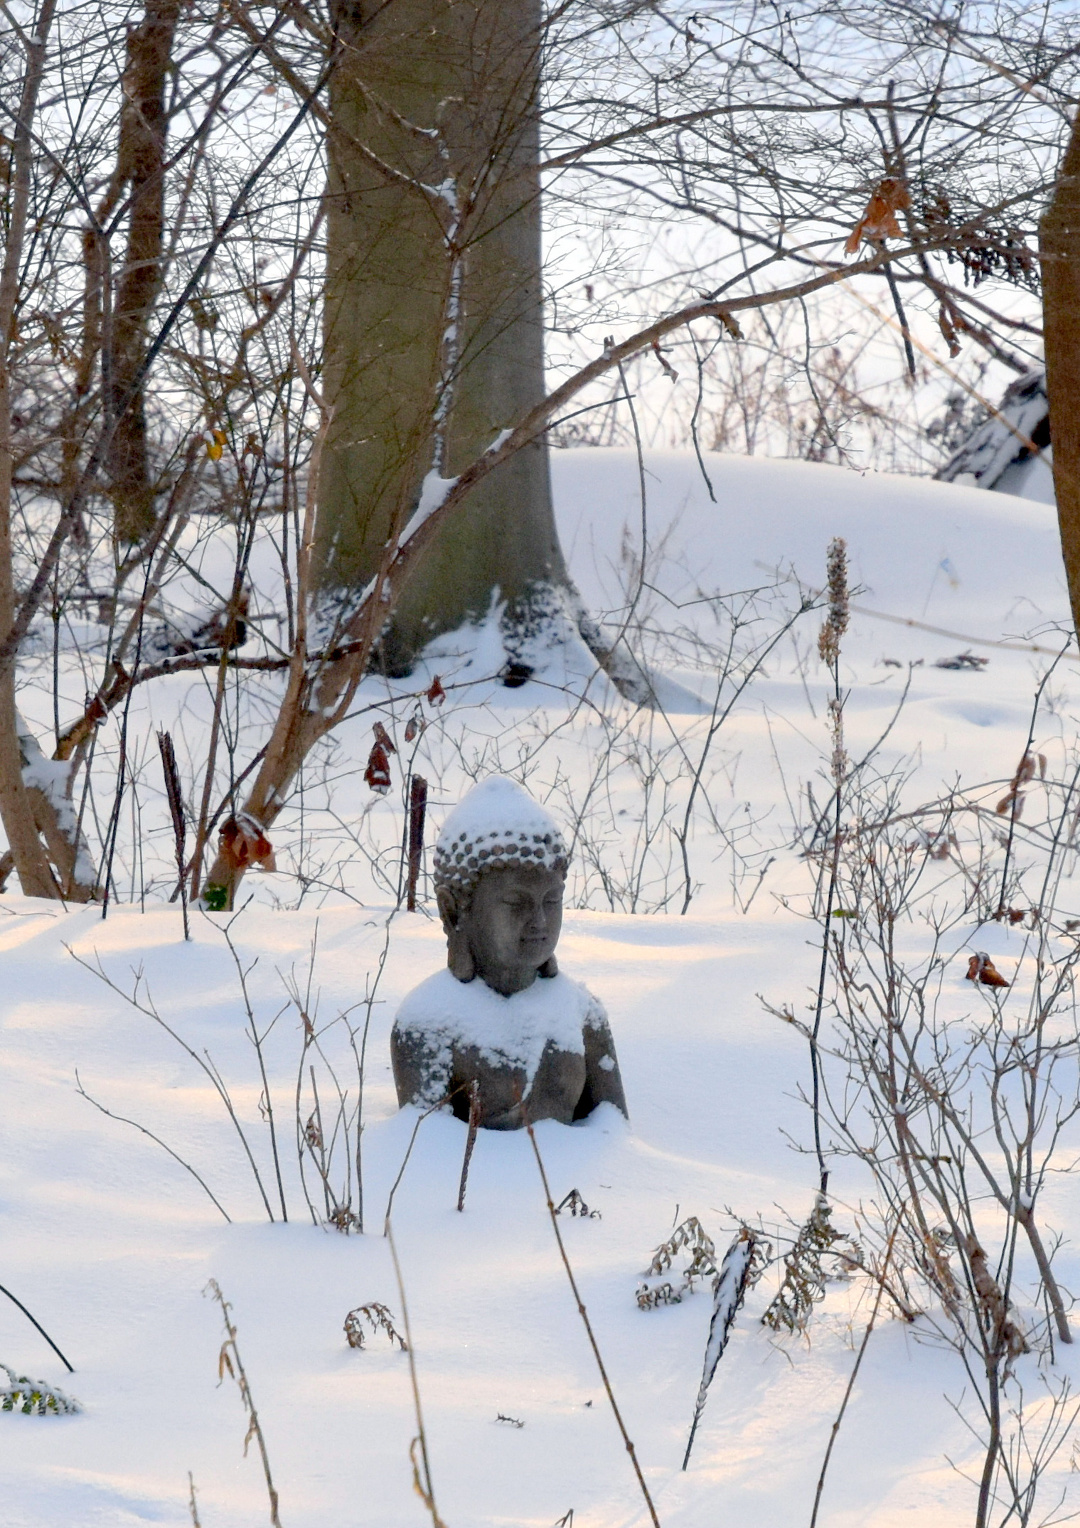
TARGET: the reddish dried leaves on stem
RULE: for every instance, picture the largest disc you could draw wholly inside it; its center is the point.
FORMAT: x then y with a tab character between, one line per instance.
243	844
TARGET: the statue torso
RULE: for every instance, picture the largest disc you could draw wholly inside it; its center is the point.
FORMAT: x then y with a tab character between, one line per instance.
538	1047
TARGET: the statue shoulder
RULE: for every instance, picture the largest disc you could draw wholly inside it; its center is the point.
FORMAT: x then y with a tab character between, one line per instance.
433	999
591	1011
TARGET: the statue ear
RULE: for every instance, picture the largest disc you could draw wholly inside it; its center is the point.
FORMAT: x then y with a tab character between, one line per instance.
459	957
449	911
549	968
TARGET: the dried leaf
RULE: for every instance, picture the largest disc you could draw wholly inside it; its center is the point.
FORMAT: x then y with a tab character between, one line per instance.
878	222
379	1317
382	737
982	969
435	692
948	331
243	844
994	1303
576	1205
377	773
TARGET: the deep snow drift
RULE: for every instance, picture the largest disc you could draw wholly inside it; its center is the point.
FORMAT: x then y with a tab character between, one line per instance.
111	1241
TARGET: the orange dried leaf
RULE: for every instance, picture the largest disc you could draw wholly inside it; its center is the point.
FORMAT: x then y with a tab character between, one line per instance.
879	220
982	969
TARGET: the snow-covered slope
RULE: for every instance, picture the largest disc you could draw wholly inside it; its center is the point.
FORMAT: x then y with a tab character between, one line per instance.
946	554
111	1242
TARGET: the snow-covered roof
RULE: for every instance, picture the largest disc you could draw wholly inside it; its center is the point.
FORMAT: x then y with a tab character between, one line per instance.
1002	442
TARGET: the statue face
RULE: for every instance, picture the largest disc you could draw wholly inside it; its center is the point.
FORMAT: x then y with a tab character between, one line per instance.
512	925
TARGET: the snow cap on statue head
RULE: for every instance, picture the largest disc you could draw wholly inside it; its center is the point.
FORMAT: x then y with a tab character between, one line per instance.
495	826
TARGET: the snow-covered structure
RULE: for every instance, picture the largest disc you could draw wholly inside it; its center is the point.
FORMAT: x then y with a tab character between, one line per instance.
1010	452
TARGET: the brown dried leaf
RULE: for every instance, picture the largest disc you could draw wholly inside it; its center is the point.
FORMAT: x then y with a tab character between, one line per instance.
878	222
435	692
948	331
243	844
382	737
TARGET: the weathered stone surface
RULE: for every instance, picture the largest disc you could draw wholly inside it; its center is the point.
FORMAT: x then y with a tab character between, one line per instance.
536	1044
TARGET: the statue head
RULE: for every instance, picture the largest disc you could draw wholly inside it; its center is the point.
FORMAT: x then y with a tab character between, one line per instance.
500	868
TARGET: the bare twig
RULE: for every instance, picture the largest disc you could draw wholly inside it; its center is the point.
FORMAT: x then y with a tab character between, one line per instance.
470	1139
583	1313
229	1362
421	1482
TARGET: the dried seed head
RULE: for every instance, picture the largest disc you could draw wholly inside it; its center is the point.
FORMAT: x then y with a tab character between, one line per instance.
839	762
836	622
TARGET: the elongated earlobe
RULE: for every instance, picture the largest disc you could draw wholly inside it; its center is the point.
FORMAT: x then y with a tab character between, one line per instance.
459	957
549	968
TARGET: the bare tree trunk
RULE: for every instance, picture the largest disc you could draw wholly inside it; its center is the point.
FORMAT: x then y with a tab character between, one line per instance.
16	809
140	165
1059	247
433	319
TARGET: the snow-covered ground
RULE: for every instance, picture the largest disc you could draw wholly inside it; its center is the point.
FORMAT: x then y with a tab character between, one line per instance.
111	1242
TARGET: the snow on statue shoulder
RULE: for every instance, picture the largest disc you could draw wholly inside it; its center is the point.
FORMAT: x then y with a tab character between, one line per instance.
502	1015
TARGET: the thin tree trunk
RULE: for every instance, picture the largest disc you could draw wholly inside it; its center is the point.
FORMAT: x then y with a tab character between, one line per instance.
16	809
140	164
993	1444
1059	248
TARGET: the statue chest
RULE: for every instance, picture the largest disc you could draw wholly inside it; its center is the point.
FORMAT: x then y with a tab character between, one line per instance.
557	1088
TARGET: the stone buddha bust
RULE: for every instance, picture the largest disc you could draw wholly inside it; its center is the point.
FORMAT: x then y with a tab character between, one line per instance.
502	1016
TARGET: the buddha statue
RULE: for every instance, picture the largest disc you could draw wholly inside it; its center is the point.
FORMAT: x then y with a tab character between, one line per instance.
536	1043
